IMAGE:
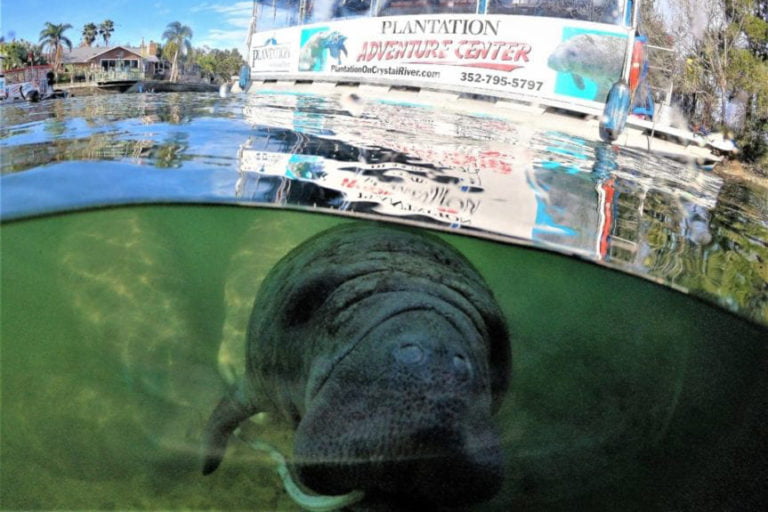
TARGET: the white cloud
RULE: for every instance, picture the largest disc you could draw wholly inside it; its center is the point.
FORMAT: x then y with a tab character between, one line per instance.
160	8
233	29
201	7
224	39
238	8
216	36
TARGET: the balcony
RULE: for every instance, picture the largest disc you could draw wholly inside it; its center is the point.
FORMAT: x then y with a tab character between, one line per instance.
117	76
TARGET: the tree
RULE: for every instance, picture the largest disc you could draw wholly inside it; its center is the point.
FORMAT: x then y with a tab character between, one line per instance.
21	53
753	63
661	62
723	60
90	32
221	64
712	38
105	29
53	39
178	37
756	30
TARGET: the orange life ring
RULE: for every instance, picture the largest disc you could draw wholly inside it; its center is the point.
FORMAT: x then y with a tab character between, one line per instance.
636	65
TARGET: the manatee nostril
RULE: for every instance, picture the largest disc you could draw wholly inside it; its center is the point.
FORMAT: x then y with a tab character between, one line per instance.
462	366
409	353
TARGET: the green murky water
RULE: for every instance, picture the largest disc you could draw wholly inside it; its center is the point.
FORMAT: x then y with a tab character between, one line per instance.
120	325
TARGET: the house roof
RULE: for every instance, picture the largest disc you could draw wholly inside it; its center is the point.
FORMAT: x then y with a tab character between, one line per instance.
85	53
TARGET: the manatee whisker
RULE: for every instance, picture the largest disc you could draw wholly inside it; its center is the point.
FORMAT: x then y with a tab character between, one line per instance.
304	498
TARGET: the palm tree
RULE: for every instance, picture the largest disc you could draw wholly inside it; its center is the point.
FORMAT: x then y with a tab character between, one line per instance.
90	32
52	37
178	36
105	29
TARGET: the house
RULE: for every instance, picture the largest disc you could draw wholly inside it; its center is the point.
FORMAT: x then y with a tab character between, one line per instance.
85	61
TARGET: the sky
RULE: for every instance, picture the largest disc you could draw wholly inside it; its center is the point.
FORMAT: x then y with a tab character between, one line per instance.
217	24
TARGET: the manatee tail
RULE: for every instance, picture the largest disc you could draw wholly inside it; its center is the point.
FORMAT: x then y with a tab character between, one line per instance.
231	411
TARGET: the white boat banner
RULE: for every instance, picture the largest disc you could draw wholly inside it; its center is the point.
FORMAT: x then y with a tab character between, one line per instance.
538	58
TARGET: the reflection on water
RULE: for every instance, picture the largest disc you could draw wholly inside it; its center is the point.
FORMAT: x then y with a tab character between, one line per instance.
478	173
144	129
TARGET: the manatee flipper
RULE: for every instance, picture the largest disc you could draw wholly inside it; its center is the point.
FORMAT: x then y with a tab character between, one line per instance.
578	80
231	411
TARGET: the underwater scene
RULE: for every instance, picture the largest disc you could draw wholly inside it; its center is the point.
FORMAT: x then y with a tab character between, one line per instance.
123	327
341	302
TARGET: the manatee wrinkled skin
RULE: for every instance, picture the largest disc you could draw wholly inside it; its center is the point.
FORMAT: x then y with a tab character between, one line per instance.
599	58
387	353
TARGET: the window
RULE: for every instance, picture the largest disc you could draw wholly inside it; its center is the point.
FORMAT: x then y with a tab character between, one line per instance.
601	11
119	64
401	7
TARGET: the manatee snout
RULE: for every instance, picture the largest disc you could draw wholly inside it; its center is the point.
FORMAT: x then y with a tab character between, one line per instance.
387	353
447	465
411	416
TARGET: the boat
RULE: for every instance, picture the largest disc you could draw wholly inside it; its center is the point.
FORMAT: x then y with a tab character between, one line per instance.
30	84
580	65
31	93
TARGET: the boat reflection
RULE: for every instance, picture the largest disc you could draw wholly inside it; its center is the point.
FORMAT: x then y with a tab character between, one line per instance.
483	174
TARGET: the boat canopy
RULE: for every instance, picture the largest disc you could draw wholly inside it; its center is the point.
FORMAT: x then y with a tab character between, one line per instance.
271	14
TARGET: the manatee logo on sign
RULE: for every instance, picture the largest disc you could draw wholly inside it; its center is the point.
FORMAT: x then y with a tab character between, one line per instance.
587	62
318	44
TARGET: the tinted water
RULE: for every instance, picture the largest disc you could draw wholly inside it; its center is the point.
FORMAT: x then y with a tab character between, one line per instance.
121	325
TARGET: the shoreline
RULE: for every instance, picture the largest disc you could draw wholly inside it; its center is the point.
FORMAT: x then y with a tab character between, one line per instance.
727	168
736	170
136	87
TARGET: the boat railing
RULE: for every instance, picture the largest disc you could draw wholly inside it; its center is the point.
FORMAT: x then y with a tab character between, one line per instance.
117	75
585	10
408	7
271	14
660	77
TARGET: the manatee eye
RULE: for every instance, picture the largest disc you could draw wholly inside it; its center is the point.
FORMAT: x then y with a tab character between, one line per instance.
409	353
307	298
462	366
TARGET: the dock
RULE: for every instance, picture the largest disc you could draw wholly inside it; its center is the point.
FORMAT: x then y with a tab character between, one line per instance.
115	85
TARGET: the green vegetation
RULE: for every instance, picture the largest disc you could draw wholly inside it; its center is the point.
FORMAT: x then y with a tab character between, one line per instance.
720	66
105	30
214	63
90	31
220	64
178	37
753	138
19	54
53	39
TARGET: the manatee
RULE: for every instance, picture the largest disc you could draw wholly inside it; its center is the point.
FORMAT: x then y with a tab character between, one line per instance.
599	58
386	352
312	55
